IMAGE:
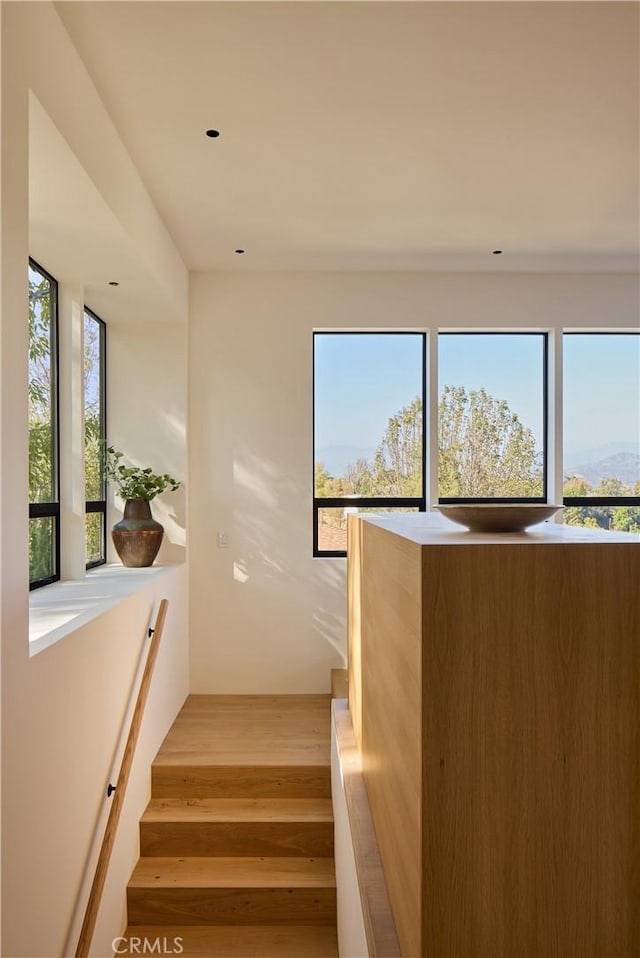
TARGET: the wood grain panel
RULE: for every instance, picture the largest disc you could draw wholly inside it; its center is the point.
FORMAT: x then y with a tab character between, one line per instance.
239	810
531	773
280	872
226	891
391	656
227	906
523	654
226	781
251	827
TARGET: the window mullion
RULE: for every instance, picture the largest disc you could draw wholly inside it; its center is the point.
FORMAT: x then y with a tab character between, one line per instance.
72	510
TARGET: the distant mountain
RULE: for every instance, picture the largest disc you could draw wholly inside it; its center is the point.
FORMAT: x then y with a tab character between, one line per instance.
598	453
624	466
337	458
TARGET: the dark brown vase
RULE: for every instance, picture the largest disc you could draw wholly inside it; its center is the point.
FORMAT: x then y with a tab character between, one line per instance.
137	537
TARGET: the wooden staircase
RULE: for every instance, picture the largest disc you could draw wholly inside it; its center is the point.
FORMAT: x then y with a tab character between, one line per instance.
236	843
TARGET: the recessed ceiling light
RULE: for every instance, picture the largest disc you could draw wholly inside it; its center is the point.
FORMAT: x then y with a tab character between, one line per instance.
497	252
213	133
240	251
112	282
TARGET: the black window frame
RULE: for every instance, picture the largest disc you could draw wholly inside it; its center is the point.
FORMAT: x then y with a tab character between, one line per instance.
497	500
366	502
586	501
100	505
46	510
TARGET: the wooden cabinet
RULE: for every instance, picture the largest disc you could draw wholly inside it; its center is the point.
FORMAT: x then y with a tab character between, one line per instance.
494	685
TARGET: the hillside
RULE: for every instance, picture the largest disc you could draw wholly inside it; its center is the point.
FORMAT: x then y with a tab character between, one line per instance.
624	466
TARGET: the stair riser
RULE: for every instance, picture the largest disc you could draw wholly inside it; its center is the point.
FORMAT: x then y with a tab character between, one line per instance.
232	906
225	781
235	941
306	839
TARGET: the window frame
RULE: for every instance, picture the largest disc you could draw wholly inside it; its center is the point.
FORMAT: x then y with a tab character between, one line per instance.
99	505
366	502
586	501
45	510
497	500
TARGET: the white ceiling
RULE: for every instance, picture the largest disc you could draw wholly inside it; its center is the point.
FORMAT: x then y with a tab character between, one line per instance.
73	233
376	135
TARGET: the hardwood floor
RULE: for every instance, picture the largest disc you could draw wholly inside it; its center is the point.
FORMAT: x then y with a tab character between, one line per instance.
236	843
249	730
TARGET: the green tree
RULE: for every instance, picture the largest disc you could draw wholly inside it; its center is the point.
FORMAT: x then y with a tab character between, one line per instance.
485	451
93	440
620	518
360	478
326	486
40	423
397	464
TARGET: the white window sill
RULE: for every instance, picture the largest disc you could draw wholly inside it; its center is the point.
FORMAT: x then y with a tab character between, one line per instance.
58	609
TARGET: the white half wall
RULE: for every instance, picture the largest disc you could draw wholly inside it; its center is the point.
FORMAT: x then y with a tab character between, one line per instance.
352	937
69	718
265	615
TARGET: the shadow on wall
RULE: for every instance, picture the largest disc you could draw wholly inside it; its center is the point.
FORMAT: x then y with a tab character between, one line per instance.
272	537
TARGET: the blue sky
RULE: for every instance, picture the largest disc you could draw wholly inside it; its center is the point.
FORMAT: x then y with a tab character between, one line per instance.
360	381
601	390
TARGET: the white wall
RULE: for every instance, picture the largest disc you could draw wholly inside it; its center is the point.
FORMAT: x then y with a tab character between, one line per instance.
58	78
265	615
67	706
62	709
147	409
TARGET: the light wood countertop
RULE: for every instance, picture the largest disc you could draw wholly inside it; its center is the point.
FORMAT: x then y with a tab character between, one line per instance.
430	528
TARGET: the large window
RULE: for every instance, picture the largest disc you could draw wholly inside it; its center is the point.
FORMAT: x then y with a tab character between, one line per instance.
94	439
369	429
492	416
44	505
601	430
492	425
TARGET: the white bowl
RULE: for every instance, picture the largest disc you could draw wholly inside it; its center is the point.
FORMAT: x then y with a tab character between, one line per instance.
498	517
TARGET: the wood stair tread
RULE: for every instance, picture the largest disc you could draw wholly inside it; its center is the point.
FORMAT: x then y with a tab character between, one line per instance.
204	810
237	827
223	872
238	941
266	756
237	841
248	730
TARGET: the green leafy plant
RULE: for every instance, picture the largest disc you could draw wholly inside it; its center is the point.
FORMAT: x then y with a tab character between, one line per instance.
132	482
